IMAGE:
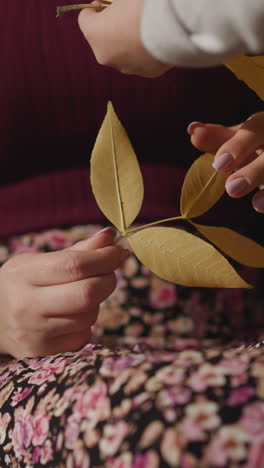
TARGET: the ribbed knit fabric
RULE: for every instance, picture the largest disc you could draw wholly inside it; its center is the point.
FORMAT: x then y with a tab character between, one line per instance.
53	98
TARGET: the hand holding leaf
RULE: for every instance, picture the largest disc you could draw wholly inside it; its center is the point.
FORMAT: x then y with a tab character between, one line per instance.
172	254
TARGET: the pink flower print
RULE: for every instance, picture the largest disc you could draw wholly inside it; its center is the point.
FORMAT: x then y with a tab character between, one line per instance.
207	376
130	267
182	325
151	433
22	433
171	447
189	358
46	373
240	396
81	458
229	445
41	376
93	405
238	380
41	429
171	397
121	282
124	461
46	452
200	417
137	379
3	378
57	239
20	241
139	399
136	312
20	395
234	366
36	454
91	398
181	344
113	436
253	419
88	348
163	296
170	375
23	249
4	421
148	459
256	453
72	431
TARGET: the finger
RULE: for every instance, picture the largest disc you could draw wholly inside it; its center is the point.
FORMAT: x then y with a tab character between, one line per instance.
59	326
51	346
247	178
99	240
246	141
69	343
258	201
209	137
68	265
82	296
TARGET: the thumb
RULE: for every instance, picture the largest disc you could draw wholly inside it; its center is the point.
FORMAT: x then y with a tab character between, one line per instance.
101	239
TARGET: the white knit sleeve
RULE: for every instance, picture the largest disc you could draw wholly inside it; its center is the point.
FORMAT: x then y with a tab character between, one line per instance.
201	33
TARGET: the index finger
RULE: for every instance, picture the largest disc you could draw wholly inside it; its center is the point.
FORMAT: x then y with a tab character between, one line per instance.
66	266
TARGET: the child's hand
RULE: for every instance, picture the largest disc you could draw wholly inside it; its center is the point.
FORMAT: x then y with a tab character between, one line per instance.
114	36
240	149
49	301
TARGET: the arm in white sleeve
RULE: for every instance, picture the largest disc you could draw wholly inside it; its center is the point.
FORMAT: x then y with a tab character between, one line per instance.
202	33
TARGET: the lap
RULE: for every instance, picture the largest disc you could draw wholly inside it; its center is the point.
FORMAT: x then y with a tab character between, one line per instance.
172	379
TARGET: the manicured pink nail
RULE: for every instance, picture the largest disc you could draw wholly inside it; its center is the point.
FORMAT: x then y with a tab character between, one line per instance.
193	125
237	186
258	202
223	162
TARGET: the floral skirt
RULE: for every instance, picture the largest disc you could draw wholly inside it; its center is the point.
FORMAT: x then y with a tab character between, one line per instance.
174	377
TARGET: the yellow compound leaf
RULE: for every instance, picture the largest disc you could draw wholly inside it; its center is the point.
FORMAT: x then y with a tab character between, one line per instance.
116	178
180	257
251	71
202	187
238	247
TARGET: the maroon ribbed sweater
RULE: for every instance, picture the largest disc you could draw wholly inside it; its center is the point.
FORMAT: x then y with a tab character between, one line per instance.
53	98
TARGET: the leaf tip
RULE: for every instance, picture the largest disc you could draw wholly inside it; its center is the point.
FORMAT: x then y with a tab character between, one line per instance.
110	107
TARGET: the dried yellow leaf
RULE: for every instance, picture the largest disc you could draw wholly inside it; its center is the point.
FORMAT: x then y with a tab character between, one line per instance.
116	178
251	71
202	187
238	247
180	257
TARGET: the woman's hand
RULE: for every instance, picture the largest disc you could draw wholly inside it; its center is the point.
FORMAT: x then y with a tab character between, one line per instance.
49	301
240	149
114	36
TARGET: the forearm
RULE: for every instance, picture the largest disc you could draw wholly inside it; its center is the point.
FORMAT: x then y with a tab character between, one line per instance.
202	33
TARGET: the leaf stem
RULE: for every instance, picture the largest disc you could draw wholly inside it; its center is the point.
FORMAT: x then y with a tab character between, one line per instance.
153	224
80	6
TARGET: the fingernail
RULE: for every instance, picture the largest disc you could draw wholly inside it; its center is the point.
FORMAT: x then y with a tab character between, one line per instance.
258	202
124	255
223	161
108	230
237	186
193	125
